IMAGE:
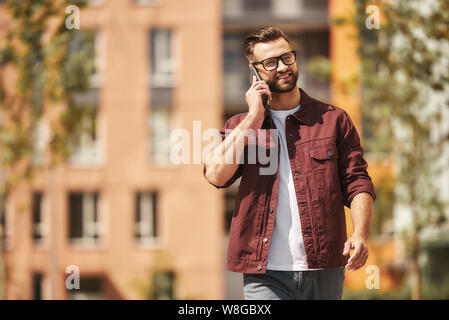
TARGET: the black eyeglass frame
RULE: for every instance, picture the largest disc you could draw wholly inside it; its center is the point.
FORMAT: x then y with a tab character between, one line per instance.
277	61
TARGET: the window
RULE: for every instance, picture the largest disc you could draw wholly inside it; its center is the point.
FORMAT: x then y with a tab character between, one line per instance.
85	54
146	217
85	57
236	72
96	79
257	5
38	218
163	283
84	222
315	4
85	148
248	12
38	286
288	9
162	63
90	289
40	138
161	93
147	1
160	125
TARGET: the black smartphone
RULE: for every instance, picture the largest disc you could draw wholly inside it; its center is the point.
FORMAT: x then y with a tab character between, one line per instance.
264	96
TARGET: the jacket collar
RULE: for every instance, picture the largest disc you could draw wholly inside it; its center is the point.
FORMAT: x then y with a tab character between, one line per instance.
304	114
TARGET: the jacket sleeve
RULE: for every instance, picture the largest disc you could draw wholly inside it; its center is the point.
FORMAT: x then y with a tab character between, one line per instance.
229	125
352	166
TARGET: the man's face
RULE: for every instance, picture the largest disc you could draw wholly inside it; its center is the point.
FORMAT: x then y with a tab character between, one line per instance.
284	77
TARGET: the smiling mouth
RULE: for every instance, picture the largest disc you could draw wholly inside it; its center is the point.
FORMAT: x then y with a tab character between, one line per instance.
284	76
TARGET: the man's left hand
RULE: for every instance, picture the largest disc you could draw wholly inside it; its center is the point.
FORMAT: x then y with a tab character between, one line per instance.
360	255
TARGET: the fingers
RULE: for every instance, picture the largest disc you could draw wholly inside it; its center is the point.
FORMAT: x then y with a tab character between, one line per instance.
359	257
266	92
262	87
357	264
259	84
355	255
362	262
255	93
347	248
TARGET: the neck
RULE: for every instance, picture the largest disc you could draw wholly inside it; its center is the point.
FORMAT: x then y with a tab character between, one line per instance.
285	100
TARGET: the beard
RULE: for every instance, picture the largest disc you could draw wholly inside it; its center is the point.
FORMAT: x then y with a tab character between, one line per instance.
280	86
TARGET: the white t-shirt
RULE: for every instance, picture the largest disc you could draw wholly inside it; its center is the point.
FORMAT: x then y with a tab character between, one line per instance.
286	251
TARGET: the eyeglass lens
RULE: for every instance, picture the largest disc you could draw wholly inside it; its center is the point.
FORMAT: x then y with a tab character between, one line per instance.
272	63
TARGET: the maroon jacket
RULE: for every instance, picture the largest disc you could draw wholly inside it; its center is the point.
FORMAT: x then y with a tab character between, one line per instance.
328	169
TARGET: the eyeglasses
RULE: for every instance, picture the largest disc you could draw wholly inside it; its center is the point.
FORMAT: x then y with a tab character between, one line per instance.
271	64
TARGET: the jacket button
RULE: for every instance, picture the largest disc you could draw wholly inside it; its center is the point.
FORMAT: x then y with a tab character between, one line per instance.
265	240
271	210
259	267
329	153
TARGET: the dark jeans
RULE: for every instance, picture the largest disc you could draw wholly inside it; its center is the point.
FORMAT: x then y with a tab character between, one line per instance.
326	284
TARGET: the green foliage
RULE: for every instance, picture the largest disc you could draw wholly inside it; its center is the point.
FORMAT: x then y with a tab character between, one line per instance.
76	69
47	79
320	68
401	76
406	103
383	209
53	66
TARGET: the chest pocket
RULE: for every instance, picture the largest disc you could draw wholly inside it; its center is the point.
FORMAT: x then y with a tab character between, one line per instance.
321	153
325	165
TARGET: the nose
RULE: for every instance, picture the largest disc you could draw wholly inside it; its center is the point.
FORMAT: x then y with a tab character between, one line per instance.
281	66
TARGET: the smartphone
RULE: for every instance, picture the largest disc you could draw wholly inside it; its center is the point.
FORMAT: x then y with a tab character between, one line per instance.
264	96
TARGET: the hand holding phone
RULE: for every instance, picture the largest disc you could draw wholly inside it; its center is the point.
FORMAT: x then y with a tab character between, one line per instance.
264	96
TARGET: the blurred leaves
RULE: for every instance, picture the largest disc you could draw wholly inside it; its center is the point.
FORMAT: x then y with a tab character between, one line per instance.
384	204
320	68
50	66
402	73
338	21
405	79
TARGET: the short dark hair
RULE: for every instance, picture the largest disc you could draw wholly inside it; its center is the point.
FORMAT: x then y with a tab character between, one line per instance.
265	34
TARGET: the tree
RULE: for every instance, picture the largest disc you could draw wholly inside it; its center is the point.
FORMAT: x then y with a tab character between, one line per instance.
405	96
40	78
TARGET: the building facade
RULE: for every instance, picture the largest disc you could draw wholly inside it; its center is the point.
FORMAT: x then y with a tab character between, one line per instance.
119	214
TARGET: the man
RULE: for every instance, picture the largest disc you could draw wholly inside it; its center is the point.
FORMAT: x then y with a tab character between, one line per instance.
288	231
